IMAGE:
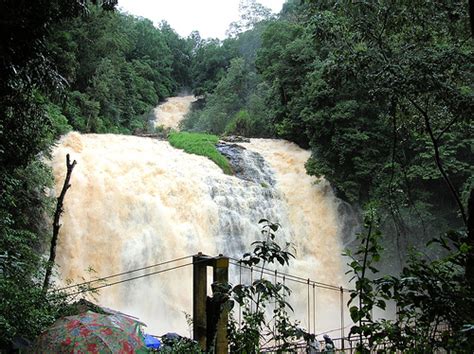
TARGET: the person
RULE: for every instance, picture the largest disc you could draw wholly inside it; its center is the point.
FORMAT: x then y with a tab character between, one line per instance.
313	345
328	344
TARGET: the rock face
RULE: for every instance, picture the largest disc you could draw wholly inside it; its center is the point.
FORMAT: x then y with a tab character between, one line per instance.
159	136
235	139
247	165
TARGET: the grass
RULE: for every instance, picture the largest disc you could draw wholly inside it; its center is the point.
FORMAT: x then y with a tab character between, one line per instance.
200	144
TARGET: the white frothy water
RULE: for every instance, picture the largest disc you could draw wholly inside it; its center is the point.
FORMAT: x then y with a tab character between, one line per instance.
138	201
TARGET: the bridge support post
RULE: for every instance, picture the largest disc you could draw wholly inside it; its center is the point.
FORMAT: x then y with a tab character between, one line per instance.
341	292
202	308
199	299
221	275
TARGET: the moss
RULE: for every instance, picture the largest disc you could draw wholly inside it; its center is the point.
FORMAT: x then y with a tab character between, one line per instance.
200	144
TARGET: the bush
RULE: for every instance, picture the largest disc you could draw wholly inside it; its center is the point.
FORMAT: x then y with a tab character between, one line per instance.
241	124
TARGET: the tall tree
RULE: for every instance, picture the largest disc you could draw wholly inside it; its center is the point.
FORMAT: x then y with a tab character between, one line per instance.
251	13
28	124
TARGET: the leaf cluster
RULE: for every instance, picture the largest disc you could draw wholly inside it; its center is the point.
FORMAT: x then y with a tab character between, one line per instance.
433	299
257	326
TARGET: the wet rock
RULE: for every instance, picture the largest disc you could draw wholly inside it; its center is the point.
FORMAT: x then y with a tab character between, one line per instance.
235	139
247	165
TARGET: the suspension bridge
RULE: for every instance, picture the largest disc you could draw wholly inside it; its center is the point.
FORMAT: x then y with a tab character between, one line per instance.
316	295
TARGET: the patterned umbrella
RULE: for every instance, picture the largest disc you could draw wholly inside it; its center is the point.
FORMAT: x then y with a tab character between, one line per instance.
92	332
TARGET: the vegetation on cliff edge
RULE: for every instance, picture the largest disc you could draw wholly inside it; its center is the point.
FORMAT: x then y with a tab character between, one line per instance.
200	144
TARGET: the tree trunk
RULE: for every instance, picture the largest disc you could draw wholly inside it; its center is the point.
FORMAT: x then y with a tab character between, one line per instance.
56	224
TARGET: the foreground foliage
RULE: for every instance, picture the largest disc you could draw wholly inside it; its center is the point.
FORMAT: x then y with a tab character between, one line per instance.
29	123
265	304
434	298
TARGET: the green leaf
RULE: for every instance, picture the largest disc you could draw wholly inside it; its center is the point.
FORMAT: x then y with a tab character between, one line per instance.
355	313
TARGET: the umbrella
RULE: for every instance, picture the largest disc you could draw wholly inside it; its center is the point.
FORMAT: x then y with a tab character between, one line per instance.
92	332
152	342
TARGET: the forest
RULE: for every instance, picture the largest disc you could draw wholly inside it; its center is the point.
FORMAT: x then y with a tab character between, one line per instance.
381	92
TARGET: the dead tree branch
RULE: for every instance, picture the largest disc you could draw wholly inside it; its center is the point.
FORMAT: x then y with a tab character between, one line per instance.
56	224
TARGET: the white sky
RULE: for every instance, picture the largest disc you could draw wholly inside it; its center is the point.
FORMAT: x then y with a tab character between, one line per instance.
210	17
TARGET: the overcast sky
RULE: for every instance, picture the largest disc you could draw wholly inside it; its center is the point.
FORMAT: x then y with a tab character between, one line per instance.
210	17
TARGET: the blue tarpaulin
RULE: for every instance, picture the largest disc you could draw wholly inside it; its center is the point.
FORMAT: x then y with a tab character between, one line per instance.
152	342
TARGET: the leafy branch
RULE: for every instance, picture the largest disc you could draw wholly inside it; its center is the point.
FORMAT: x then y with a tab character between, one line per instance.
255	299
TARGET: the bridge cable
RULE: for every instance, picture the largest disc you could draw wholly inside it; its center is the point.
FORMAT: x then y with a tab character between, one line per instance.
123	273
129	279
291	277
134	278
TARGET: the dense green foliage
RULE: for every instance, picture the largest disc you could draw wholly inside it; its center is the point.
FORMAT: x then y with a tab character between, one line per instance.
116	79
237	95
363	91
380	92
200	144
210	60
369	84
235	90
434	299
29	123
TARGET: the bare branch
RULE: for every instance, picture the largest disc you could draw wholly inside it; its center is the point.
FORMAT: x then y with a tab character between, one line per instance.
56	224
439	164
445	129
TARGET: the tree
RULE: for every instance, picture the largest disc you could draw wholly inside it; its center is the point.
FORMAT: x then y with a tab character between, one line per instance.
210	60
56	225
282	62
239	88
117	79
29	122
251	13
433	298
227	98
380	93
181	53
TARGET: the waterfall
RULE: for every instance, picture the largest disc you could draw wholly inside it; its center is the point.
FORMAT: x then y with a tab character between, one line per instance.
138	201
171	112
